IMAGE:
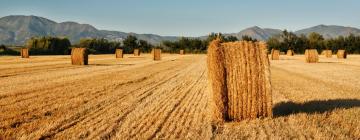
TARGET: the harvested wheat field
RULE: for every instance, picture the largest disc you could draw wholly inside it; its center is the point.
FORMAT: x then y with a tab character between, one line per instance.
45	97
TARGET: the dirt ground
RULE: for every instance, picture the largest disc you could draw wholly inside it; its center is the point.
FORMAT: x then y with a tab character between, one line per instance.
45	97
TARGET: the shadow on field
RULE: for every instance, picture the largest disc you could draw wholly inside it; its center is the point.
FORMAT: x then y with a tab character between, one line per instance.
311	107
330	62
111	64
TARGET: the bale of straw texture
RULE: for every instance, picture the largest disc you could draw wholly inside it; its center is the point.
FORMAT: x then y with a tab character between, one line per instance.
24	52
328	53
136	52
311	56
341	54
119	53
275	54
156	54
79	56
182	52
290	53
240	76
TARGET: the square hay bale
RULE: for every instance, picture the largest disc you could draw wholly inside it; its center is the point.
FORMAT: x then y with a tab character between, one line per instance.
136	52
182	52
311	56
239	74
275	54
328	53
156	54
290	53
119	53
341	54
79	56
24	52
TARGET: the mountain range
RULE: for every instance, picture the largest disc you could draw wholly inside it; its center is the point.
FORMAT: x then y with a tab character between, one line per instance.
16	29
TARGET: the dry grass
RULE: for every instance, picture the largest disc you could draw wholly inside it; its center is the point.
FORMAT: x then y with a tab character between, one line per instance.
119	53
311	56
243	67
24	52
47	97
79	56
341	54
275	54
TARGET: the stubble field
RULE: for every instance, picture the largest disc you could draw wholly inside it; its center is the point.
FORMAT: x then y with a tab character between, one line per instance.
45	97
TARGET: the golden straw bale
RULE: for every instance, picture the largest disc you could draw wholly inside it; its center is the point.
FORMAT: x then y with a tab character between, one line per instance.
79	56
311	56
182	52
239	74
24	52
328	53
136	52
290	53
275	54
156	54
341	54
119	53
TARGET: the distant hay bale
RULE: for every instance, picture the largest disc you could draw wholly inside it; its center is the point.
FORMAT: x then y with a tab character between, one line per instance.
341	54
119	53
328	53
24	52
311	56
79	56
290	53
156	54
239	74
275	54
282	53
182	52
136	52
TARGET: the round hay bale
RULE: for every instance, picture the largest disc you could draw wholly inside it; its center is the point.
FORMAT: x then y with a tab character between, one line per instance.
79	56
341	54
156	54
240	77
119	53
328	53
311	56
182	52
136	52
275	54
24	52
290	53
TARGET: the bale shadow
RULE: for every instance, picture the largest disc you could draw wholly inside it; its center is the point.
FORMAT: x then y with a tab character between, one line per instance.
330	62
312	107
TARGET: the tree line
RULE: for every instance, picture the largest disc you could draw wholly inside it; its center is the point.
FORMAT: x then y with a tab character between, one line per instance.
285	41
288	40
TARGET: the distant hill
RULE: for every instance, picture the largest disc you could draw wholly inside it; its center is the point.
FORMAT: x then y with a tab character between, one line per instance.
15	30
330	31
257	33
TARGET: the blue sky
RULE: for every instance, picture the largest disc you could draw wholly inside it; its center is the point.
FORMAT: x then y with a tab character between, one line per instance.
190	17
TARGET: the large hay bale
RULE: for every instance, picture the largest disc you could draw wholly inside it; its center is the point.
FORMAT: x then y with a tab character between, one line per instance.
79	56
182	52
328	53
24	52
290	53
311	56
136	52
119	53
341	54
156	54
275	54
240	77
